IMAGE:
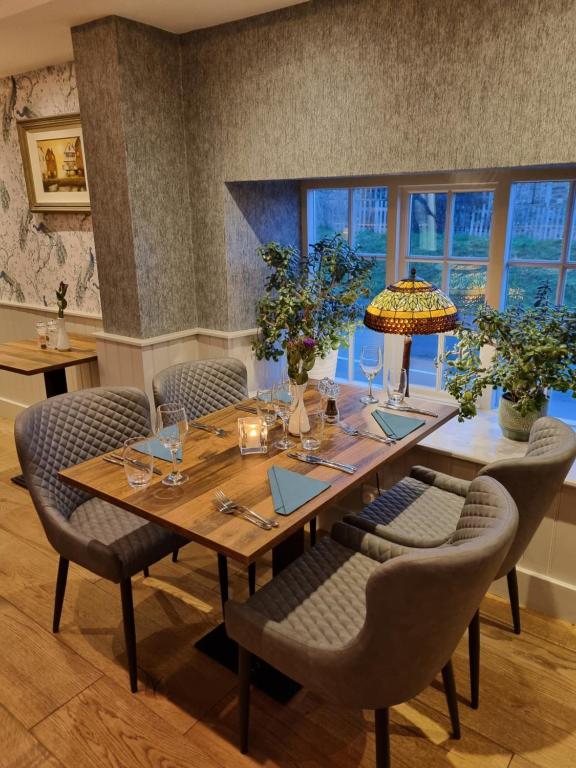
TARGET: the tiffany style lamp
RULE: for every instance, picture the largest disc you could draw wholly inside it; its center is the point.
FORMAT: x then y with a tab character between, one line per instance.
411	306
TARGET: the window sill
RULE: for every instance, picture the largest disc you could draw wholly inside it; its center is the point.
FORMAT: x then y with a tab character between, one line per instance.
479	440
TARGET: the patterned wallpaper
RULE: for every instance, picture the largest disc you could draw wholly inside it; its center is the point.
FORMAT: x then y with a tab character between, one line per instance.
38	250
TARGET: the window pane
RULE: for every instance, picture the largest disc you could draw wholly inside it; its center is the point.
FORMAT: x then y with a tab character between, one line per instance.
538	216
422	367
524	283
563	406
449	344
467	288
330	213
370	209
427	220
427	271
366	337
572	252
472	224
342	365
570	289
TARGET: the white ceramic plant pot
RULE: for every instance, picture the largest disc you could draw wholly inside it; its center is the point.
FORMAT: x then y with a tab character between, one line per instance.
325	367
515	426
62	340
298	416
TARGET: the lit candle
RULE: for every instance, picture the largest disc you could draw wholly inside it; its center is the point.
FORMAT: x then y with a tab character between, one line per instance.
253	435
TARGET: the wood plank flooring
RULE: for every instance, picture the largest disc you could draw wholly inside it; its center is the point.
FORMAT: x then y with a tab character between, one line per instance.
65	702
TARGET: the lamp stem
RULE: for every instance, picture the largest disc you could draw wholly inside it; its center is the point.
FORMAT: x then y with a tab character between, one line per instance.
406	361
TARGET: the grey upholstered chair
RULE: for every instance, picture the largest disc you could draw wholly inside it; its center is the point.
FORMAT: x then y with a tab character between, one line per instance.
115	544
370	634
422	510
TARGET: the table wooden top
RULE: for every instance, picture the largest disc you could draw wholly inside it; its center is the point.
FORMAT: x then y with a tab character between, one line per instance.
213	462
27	358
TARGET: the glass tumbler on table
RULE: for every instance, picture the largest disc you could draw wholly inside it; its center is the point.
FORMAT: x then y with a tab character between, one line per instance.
265	407
371	365
396	381
311	429
282	398
138	461
171	431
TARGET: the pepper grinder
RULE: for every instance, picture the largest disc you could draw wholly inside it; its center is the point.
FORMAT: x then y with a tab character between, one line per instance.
330	390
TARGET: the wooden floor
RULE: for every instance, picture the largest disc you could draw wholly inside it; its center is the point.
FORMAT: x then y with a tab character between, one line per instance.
65	702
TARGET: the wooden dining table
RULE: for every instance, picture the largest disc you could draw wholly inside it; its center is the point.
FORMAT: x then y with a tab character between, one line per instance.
212	462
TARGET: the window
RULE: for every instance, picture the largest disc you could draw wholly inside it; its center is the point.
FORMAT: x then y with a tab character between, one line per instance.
360	215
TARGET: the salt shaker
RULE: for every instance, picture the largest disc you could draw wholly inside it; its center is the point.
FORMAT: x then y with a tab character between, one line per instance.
330	391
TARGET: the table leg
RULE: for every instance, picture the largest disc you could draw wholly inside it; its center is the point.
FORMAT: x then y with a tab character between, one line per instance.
55	383
217	645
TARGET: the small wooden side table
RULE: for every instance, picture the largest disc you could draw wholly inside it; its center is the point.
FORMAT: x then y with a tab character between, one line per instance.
26	358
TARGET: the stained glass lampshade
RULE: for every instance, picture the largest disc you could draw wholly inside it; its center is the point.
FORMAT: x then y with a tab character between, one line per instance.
411	306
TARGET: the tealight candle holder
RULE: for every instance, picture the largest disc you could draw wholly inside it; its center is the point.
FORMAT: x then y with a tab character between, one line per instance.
252	435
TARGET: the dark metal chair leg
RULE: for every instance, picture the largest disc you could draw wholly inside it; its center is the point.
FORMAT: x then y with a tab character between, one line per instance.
474	656
382	720
129	631
223	578
252	578
60	590
146	572
313	524
175	555
451	698
514	601
244	662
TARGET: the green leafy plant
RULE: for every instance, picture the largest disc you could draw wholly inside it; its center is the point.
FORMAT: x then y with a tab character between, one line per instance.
61	298
534	350
310	296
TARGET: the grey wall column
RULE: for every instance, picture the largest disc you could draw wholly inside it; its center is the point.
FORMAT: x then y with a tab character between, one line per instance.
129	83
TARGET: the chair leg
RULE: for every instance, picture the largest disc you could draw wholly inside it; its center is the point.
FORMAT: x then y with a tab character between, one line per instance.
146	572
252	578
514	601
175	555
313	524
382	720
451	698
60	590
244	663
223	578
474	657
129	631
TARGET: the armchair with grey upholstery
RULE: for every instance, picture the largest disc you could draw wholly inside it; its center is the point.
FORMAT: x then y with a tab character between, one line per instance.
369	634
422	510
105	539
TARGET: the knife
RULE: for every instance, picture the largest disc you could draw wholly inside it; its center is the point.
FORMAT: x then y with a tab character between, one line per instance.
349	468
409	409
113	459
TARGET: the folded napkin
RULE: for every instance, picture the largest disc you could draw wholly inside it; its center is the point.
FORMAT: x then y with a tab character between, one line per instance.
157	450
282	396
291	490
396	426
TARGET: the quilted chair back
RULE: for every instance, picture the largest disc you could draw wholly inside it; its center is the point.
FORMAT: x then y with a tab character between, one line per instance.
419	604
535	479
65	430
202	386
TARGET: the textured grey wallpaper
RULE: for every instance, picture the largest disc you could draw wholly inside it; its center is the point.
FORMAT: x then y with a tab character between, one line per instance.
351	87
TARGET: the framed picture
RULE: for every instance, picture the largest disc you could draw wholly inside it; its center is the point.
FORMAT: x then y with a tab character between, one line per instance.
54	165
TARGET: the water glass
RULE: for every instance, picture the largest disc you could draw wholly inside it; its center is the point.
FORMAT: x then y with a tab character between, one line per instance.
371	365
396	381
42	334
138	464
171	431
265	407
311	429
52	333
282	397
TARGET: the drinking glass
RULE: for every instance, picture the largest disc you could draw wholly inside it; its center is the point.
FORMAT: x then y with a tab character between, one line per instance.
396	381
311	429
282	397
52	333
42	334
371	365
265	407
171	431
138	464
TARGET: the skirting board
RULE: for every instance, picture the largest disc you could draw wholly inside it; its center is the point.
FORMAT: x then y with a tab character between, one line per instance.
542	594
9	409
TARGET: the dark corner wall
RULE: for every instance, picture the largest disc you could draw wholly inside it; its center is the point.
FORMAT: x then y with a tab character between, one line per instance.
329	88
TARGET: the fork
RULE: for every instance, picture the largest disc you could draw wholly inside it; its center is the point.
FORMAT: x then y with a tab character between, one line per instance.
208	428
224	501
355	432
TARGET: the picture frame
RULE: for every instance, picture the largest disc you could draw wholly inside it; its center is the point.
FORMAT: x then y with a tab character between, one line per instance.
54	163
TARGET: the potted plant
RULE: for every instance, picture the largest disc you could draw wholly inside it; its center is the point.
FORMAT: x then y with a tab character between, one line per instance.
311	303
62	340
534	350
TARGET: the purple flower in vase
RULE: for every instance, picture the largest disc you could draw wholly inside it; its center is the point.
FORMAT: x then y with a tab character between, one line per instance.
308	342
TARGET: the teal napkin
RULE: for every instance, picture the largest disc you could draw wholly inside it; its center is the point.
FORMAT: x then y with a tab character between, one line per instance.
158	450
396	426
291	490
283	396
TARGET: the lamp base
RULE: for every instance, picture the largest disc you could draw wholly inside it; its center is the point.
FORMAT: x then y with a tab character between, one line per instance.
406	361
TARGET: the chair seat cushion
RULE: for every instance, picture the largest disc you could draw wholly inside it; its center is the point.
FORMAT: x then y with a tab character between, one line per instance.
318	600
129	542
412	513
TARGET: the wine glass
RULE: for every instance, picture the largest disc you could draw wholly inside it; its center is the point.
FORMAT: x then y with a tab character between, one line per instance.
396	381
282	398
171	430
371	365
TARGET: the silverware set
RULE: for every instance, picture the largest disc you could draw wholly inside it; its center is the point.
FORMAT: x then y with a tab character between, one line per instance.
208	428
312	459
407	409
229	507
355	432
120	461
